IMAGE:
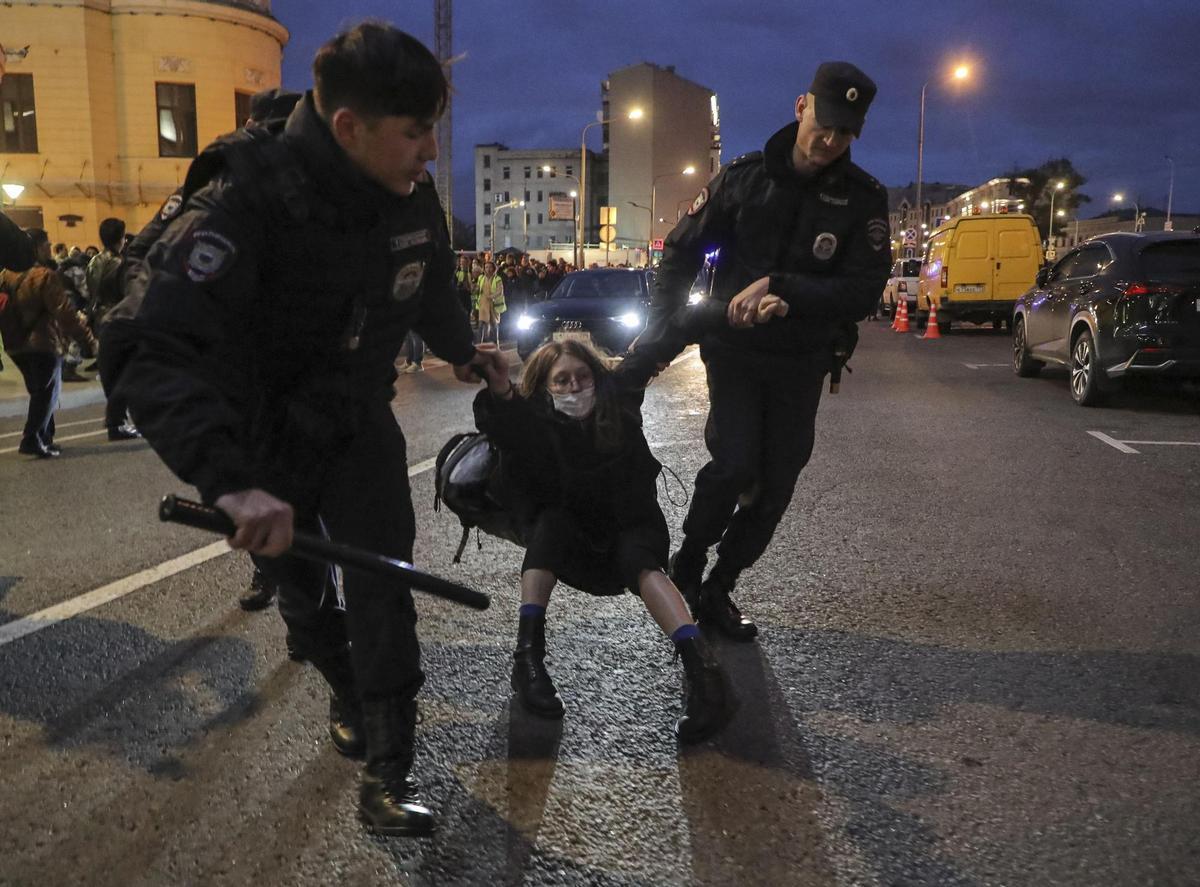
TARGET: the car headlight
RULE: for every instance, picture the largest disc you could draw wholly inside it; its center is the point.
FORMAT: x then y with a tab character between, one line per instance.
694	297
632	319
524	322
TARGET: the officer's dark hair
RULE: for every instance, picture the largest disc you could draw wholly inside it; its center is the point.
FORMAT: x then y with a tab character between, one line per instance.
112	234
377	70
535	381
37	236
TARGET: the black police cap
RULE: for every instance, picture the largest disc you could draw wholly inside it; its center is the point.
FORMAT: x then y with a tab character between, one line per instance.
843	94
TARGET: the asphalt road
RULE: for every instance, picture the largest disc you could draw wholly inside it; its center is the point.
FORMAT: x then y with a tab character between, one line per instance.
979	664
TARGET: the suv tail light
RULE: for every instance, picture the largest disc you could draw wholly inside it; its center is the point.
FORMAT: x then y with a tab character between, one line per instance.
1143	288
945	276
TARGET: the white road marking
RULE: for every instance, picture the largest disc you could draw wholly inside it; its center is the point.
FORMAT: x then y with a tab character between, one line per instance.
1165	443
58	425
1112	442
975	366
19	628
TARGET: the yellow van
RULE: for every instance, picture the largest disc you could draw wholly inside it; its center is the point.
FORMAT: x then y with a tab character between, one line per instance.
976	267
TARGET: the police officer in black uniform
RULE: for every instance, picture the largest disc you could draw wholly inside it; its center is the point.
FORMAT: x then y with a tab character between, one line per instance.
273	310
800	222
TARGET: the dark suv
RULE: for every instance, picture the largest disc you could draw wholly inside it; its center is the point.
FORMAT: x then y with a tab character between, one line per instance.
605	307
1118	305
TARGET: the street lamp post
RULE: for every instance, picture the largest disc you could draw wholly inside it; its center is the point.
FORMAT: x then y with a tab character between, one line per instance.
686	171
962	72
495	216
1058	186
1167	226
635	114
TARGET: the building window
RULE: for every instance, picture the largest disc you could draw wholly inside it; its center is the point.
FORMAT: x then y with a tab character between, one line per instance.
539	218
487	161
241	108
176	119
487	209
539	172
487	230
539	196
526	196
504	172
18	119
487	184
527	172
570	170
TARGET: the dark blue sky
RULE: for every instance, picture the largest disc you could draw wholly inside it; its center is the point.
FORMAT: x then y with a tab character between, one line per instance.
1112	84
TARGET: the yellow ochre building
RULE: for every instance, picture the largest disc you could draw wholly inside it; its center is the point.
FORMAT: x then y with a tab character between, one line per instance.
103	103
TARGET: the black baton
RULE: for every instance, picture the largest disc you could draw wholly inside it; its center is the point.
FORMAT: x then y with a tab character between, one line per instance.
314	548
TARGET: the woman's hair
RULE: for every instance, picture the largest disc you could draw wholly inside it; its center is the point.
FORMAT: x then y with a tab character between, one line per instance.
535	382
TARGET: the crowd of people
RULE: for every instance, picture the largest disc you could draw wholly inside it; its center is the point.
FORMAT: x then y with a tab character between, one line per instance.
270	388
55	304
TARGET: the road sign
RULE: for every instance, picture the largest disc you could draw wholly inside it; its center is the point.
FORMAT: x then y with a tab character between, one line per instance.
656	244
608	233
608	215
910	237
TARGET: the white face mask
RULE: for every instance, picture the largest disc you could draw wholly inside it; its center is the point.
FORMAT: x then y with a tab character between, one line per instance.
578	405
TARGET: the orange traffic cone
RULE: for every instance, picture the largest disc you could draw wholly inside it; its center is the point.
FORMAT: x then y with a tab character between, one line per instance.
902	323
931	325
895	315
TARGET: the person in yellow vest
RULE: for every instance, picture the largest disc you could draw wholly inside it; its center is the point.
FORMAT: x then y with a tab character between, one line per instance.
489	302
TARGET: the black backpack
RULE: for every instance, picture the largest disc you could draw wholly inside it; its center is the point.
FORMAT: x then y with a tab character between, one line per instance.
469	479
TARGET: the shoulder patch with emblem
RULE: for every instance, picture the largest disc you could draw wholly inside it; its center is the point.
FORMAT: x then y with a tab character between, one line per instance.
211	256
877	233
171	207
700	202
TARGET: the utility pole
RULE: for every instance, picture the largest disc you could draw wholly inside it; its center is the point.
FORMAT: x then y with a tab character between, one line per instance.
443	179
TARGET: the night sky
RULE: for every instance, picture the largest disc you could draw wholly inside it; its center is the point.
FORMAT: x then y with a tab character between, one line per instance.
1114	85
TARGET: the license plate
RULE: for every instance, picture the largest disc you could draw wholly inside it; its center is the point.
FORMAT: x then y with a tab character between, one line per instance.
968	288
577	335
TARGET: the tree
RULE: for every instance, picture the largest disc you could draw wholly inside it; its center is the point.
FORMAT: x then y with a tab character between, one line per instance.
463	236
1042	181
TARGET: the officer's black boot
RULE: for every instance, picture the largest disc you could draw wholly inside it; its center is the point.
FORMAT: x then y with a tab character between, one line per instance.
262	592
709	704
686	569
718	611
388	799
345	711
530	680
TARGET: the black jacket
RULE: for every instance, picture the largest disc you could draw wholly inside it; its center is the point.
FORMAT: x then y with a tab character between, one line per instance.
554	461
823	241
272	312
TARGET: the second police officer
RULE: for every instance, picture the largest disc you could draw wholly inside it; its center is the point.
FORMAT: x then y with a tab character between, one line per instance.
799	221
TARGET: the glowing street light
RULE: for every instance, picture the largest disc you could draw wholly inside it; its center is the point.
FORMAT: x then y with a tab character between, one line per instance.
961	73
634	114
688	170
13	190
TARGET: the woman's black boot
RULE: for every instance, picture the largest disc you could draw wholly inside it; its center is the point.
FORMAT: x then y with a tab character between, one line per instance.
388	799
530	680
709	703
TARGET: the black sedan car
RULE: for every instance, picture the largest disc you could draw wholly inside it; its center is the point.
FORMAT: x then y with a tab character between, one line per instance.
1117	305
603	306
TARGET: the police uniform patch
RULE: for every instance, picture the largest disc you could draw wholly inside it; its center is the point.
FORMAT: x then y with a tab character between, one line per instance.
833	201
825	246
171	207
212	255
699	203
408	281
405	241
877	233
